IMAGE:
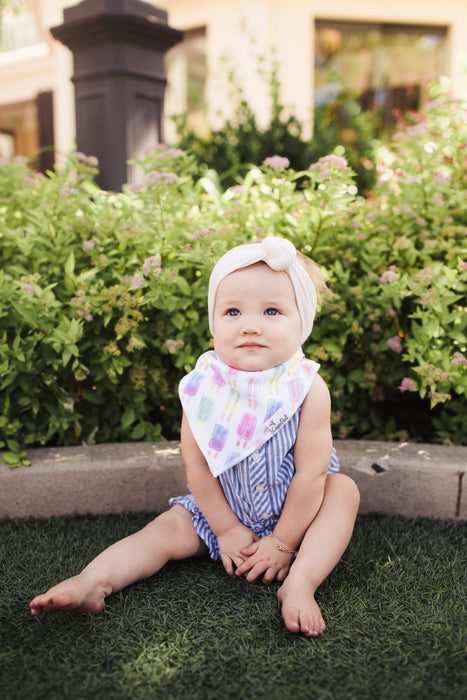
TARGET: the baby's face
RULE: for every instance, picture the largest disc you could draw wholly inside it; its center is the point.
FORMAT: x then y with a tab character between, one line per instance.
256	321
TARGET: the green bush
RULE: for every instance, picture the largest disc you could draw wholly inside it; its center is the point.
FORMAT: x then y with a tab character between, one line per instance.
104	294
231	149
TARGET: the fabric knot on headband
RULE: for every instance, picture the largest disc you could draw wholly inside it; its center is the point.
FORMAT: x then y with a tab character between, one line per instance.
280	255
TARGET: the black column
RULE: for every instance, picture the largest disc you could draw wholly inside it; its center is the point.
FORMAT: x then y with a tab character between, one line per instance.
119	77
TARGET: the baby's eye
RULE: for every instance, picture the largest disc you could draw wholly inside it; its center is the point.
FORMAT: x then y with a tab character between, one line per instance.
232	312
272	312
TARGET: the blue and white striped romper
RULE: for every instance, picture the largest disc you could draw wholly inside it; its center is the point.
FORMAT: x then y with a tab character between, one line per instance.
256	487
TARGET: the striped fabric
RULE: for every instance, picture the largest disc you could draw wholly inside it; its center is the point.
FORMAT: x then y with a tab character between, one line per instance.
256	487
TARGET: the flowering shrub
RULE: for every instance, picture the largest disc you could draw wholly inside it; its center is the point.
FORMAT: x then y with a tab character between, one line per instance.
241	141
104	294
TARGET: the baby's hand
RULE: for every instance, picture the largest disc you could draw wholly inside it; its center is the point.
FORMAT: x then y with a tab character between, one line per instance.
231	543
263	557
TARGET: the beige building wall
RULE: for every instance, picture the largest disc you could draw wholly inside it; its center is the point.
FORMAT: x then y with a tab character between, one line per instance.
231	25
289	28
45	66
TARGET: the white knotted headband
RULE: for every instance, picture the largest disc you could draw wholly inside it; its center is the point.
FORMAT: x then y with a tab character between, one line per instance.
281	255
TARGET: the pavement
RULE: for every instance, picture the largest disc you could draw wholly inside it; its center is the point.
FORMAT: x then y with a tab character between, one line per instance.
407	479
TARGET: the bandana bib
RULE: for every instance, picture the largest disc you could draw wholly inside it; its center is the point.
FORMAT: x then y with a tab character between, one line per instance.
232	413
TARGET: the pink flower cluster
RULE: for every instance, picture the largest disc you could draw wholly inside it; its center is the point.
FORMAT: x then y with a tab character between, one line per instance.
152	265
388	276
442	179
458	359
196	235
155	176
276	162
238	189
137	281
174	345
170	153
68	191
395	343
89	160
325	164
407	385
82	304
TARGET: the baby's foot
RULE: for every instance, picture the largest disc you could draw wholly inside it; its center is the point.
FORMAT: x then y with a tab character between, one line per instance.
79	594
299	607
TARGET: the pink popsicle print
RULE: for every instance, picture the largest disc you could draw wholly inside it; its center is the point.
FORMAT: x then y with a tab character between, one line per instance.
295	387
232	375
217	378
246	428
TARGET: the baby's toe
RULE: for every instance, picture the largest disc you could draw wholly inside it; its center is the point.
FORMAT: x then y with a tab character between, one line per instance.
291	618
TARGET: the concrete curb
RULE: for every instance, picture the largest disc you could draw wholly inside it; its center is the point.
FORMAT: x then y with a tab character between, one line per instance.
395	478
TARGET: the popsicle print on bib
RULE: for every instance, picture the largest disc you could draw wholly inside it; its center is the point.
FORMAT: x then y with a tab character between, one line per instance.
275	380
252	392
218	380
232	413
231	404
205	409
245	428
191	387
218	439
295	387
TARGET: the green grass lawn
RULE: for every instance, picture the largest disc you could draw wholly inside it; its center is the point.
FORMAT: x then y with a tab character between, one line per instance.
395	608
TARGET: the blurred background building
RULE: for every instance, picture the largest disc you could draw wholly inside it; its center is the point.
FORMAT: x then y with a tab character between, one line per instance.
386	53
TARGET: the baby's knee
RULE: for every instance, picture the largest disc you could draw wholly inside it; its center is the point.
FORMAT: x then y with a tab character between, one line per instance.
346	488
175	532
170	521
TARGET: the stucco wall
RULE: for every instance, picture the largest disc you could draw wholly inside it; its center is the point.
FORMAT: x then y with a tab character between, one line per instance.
231	25
289	28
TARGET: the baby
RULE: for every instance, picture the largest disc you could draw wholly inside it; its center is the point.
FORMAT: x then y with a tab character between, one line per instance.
265	496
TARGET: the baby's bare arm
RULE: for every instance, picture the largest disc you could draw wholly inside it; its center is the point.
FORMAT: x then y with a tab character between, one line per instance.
312	455
232	535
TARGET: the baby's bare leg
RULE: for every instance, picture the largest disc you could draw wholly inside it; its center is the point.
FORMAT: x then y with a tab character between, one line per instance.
321	549
170	536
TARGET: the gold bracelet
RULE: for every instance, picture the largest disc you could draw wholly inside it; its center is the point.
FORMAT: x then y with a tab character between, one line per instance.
281	547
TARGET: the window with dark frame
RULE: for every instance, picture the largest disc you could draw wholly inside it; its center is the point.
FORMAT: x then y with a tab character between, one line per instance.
387	67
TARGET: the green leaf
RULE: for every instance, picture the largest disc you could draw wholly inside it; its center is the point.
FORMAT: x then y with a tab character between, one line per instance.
183	285
9	379
66	355
13	460
138	432
70	265
128	418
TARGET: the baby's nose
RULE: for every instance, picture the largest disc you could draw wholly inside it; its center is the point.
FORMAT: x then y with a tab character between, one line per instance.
251	328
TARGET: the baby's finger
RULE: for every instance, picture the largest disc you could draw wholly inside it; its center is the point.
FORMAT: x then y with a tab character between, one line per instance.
281	575
255	572
228	564
270	575
245	566
251	549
